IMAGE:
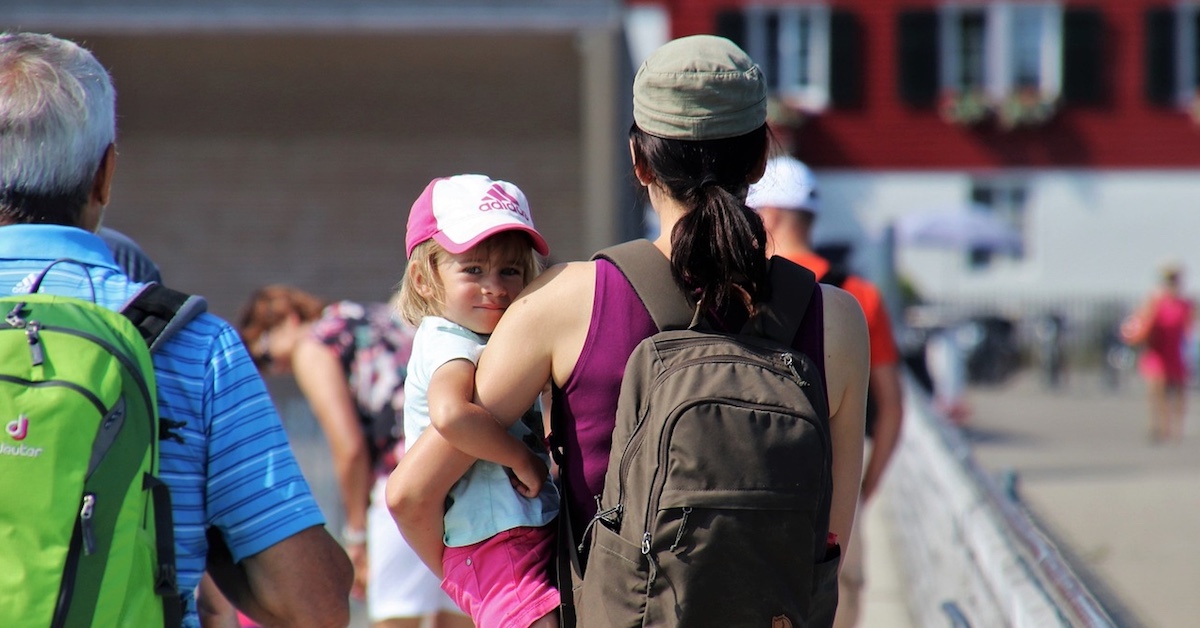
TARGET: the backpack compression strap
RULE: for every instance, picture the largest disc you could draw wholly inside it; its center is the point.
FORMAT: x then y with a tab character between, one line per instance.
158	312
649	272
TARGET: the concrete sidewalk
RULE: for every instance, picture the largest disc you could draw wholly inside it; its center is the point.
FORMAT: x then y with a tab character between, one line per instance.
884	599
1123	511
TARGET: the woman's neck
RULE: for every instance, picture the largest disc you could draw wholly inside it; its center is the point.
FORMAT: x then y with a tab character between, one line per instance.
669	211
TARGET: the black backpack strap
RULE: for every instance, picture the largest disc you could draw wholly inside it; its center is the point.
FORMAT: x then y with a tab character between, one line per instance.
166	583
158	312
836	275
792	287
649	272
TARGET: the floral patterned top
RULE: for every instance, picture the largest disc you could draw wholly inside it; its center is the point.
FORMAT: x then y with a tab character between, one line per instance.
373	345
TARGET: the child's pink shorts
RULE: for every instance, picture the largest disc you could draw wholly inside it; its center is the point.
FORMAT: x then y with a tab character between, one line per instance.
504	581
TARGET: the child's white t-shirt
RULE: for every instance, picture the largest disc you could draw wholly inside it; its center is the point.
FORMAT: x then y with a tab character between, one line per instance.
483	503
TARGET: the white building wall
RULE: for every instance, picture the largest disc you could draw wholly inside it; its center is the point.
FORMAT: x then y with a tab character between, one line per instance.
1088	234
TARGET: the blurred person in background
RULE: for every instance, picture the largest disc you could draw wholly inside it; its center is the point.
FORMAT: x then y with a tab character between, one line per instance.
1161	329
130	256
788	200
350	361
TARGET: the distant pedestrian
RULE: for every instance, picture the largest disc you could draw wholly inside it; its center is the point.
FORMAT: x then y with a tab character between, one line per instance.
350	360
471	247
1161	329
789	201
130	256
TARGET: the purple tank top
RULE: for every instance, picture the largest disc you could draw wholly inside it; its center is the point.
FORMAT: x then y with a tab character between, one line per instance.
587	401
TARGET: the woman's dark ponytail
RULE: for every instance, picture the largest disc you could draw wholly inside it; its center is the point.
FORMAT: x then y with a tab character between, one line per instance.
719	246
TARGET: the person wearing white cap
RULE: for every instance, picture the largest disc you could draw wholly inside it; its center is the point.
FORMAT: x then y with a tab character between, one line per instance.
471	247
788	200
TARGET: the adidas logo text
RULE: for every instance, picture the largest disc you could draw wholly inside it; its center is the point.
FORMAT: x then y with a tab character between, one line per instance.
498	199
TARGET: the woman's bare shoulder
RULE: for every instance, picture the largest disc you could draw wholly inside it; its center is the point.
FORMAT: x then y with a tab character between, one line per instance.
561	281
845	323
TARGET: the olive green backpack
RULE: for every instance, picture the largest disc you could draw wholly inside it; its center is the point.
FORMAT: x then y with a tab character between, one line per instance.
86	535
715	509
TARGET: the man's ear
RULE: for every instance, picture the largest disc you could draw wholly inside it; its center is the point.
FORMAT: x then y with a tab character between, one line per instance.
92	214
102	183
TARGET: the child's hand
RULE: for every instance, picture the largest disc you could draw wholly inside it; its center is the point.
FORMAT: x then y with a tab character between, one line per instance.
527	479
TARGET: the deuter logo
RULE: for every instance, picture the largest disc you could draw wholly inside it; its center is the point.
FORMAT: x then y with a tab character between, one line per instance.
497	198
19	428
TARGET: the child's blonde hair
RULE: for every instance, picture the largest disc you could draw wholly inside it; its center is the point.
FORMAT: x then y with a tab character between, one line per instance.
412	305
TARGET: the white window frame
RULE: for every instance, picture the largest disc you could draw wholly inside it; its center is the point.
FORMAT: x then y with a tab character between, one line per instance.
784	70
1000	48
1186	14
1004	204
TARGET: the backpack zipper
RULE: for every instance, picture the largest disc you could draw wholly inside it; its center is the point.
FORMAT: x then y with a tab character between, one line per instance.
85	523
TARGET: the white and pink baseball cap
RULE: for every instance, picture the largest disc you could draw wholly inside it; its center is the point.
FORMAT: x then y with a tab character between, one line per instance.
461	211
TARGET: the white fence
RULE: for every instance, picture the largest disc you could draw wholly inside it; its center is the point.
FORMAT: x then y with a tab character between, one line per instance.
970	554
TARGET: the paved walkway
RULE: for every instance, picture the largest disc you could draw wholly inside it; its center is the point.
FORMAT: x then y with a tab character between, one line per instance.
1123	511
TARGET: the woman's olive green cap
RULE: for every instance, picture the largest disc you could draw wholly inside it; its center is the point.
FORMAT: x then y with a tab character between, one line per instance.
700	87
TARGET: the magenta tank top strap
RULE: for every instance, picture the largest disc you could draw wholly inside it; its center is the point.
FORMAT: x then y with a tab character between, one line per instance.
587	402
810	338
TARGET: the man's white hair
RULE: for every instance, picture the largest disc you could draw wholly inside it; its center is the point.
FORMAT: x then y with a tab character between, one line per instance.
57	115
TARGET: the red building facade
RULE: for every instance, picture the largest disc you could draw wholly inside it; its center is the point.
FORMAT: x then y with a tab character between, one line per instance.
1121	103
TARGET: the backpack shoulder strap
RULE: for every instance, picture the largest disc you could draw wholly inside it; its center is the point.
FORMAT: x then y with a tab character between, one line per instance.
792	287
836	275
649	272
158	312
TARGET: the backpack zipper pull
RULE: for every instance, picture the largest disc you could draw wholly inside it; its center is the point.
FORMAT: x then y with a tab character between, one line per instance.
687	510
789	362
14	316
35	343
649	559
85	523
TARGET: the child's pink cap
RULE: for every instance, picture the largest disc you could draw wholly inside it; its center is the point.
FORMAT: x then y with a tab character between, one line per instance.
461	211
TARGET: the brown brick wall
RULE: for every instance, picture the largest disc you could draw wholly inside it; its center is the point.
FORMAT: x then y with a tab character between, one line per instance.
247	159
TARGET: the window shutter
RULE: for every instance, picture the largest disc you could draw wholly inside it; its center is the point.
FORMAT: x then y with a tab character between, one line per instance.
731	24
1083	57
917	57
1160	56
845	60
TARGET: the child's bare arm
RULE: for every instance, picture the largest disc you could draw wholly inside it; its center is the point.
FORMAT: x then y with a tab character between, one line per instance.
473	430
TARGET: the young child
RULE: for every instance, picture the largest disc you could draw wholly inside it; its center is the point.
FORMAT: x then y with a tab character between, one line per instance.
470	246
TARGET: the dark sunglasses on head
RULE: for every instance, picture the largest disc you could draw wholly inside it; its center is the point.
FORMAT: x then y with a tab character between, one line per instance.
263	359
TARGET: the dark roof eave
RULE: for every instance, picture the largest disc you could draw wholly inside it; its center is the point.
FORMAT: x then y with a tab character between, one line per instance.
366	17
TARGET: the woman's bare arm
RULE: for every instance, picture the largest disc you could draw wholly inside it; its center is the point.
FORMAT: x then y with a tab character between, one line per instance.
847	364
417	490
538	340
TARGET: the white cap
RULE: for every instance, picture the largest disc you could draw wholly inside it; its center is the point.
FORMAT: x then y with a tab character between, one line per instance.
787	184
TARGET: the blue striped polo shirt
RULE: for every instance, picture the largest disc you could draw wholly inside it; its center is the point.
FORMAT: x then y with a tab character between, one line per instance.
234	469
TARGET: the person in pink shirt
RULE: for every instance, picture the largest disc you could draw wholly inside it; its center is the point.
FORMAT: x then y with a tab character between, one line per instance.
1161	328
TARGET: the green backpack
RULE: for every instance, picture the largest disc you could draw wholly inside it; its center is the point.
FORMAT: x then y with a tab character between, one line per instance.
86	536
